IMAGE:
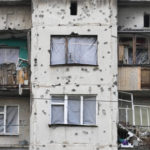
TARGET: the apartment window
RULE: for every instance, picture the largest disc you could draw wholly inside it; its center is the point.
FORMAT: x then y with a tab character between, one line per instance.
78	50
146	20
9	120
9	55
73	110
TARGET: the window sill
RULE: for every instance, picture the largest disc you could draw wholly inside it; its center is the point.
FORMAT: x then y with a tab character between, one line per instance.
70	125
68	65
8	134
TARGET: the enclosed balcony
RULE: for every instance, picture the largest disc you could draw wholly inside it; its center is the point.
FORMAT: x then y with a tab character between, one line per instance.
134	62
14	62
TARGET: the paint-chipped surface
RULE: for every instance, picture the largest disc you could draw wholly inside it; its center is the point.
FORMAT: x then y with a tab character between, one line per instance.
15	17
132	17
93	18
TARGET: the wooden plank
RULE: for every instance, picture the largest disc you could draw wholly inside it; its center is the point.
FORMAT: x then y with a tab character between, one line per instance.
145	78
129	78
134	49
121	53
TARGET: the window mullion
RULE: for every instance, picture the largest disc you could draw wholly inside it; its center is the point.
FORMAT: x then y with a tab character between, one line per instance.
81	110
5	118
66	110
66	39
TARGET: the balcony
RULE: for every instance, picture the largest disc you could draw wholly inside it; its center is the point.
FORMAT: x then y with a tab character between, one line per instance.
134	62
134	78
14	64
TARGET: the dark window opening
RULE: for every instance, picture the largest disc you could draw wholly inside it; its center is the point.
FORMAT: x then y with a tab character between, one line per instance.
146	20
73	8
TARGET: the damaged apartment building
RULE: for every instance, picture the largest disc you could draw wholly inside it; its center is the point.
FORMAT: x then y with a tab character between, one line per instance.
134	69
15	25
58	75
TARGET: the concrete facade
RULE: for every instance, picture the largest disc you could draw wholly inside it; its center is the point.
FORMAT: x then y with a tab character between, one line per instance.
93	18
15	21
10	141
132	17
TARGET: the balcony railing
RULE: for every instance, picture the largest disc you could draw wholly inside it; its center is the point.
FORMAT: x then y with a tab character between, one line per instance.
10	76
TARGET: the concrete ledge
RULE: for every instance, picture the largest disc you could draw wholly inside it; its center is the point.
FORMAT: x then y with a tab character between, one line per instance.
15	2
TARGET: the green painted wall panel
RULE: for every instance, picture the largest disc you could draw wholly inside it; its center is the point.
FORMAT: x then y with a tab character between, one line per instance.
21	44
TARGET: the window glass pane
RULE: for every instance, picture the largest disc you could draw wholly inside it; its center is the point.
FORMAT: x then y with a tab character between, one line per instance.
58	99
137	116
127	47
1	109
89	110
12	119
122	116
130	117
144	117
9	55
58	50
141	50
1	123
82	50
73	110
57	112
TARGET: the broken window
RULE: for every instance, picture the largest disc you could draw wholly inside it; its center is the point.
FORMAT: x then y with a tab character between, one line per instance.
146	20
74	50
73	110
9	55
133	50
9	120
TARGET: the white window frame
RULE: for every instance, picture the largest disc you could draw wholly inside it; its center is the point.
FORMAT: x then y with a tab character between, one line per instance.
65	104
5	113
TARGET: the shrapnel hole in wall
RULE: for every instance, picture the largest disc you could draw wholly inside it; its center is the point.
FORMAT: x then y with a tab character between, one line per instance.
73	8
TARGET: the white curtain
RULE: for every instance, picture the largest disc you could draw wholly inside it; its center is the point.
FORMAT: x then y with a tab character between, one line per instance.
79	50
57	112
82	50
89	111
12	119
74	111
58	51
9	55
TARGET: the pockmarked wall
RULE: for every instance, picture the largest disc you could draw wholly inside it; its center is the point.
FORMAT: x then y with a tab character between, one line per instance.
15	17
97	18
132	17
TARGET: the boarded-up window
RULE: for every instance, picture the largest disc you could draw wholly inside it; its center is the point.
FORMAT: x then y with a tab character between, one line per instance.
74	50
9	55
